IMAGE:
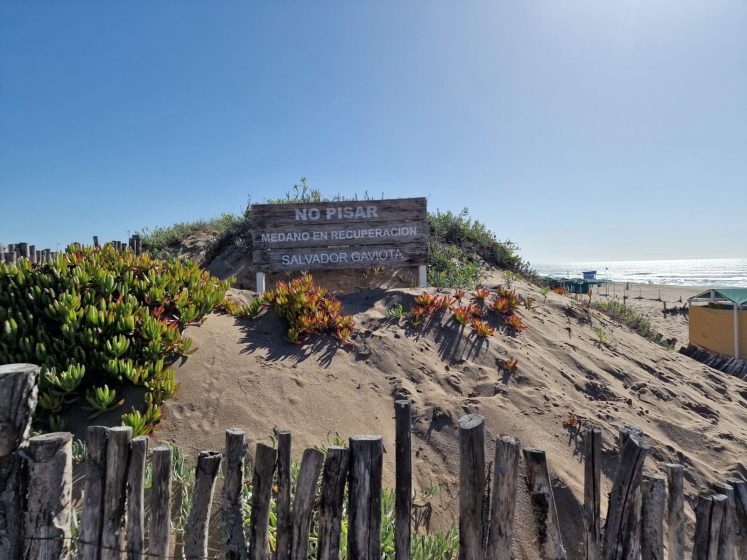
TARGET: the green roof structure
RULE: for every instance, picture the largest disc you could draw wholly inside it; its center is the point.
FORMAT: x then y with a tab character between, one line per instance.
736	296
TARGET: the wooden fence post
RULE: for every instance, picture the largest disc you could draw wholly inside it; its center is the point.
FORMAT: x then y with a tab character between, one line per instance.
136	498
334	476
471	486
364	497
505	476
740	510
403	484
18	394
234	542
117	456
675	511
264	467
47	523
592	493
91	518
708	514
653	494
283	498
622	501
198	520
632	534
727	539
311	466
543	504
160	503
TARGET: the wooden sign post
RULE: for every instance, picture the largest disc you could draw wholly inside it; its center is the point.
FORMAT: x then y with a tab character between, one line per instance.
338	235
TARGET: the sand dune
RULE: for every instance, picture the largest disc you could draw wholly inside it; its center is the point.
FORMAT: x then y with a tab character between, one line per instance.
244	375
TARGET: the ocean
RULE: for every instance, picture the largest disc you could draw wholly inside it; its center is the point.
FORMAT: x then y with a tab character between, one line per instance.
685	272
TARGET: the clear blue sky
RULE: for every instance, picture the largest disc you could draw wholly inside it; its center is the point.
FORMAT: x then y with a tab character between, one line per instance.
580	129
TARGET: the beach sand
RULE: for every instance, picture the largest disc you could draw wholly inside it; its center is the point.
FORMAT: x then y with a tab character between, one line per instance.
245	375
649	300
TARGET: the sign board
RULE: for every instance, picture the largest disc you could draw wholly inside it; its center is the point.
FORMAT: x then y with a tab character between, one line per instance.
336	235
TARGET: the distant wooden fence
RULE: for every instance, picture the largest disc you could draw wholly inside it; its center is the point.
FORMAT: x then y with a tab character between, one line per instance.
36	483
13	252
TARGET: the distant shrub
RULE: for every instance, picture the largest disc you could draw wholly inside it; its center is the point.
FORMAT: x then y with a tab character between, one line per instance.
163	241
473	237
634	320
96	320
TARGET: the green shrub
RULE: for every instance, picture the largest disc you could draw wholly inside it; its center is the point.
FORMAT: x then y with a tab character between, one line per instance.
473	237
96	320
162	241
450	267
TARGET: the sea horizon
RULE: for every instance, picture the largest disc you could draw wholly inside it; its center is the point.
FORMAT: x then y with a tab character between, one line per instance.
731	272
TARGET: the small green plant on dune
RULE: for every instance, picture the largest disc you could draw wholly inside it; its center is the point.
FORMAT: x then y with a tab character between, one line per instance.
396	313
603	338
97	320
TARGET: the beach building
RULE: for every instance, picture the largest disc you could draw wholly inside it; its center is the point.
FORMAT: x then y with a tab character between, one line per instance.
718	321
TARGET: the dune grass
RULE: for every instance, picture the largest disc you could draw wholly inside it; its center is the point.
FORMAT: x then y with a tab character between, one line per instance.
634	320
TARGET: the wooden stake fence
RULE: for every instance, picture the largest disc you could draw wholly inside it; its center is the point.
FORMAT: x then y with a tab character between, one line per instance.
36	478
14	252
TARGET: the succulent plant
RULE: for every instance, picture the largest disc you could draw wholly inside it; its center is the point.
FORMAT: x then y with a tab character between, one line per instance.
101	317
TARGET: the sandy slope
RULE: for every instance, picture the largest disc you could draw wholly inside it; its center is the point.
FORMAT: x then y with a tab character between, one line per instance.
244	375
649	300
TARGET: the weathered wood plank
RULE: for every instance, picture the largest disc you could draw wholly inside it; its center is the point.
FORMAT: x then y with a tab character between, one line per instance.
47	522
592	493
198	520
160	503
356	234
264	467
675	511
653	493
727	539
616	540
18	395
471	485
115	492
136	498
740	510
403	483
283	498
91	518
543	503
234	542
388	210
311	467
708	514
632	534
335	474
364	497
505	476
385	255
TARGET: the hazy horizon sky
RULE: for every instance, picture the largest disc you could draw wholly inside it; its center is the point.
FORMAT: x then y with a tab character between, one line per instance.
581	130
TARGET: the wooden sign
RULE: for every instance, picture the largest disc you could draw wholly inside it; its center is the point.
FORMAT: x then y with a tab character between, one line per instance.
336	235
